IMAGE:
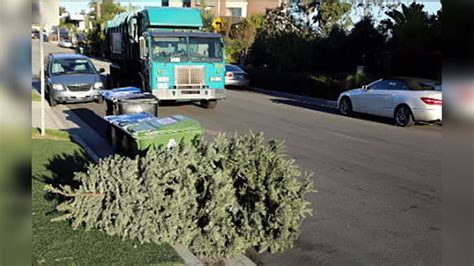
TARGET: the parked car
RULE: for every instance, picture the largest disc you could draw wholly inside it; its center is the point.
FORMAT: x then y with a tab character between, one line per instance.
72	78
65	44
36	33
407	100
235	76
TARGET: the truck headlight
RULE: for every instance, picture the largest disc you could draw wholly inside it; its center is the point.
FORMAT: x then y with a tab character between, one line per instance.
58	87
98	85
216	79
163	79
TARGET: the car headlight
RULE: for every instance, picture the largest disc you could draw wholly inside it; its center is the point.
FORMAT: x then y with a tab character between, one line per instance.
163	79
216	79
98	85
58	87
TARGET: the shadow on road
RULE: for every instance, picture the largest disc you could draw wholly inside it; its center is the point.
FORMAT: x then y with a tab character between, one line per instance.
331	110
36	84
312	106
92	119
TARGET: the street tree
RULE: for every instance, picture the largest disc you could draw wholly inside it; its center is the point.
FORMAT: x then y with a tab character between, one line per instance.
108	9
242	36
409	28
207	17
332	13
62	10
71	27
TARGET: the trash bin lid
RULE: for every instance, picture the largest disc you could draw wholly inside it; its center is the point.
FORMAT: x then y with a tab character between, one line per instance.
164	125
125	119
137	97
109	94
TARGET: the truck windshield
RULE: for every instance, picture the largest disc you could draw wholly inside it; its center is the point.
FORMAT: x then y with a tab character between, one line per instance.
170	49
176	49
205	49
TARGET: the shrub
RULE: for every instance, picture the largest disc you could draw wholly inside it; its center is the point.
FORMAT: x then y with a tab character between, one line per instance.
219	198
356	81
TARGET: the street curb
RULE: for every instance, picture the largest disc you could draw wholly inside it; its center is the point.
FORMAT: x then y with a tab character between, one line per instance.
241	260
305	99
187	256
86	148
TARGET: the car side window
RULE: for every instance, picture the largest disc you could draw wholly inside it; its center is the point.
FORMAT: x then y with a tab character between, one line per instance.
389	84
381	85
397	85
403	86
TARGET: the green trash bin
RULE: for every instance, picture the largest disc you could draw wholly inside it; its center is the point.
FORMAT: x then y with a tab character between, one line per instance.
155	132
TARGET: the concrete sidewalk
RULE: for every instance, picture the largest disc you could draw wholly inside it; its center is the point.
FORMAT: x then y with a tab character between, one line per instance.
62	118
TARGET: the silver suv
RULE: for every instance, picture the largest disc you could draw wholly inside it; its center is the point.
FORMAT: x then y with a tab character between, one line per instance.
72	78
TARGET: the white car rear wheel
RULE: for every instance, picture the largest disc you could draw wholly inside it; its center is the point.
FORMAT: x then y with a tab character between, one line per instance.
403	116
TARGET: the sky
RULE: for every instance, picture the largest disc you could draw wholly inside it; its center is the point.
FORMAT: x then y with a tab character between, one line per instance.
431	6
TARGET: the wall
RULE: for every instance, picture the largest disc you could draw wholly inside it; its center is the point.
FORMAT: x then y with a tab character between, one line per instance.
260	6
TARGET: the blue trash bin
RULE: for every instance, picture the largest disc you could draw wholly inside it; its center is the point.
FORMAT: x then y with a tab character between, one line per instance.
110	97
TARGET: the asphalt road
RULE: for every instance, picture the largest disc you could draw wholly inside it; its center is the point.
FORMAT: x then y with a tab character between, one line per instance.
378	199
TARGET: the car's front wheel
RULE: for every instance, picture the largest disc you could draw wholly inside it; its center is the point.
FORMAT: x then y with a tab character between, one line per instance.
345	106
403	116
51	100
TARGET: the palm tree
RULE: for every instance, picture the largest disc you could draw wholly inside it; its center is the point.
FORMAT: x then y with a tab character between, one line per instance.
409	27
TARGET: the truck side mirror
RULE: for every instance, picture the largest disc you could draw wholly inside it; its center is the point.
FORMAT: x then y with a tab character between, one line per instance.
143	50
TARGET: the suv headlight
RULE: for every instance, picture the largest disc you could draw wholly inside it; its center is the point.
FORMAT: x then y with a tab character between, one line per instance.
98	85
216	79
163	79
58	87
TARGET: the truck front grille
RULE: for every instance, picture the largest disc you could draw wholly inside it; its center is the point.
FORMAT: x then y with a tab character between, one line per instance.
79	87
189	76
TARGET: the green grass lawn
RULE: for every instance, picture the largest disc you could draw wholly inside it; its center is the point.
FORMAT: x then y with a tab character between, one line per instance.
35	97
51	134
54	162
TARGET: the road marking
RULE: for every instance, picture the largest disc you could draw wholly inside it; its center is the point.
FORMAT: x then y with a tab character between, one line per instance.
349	137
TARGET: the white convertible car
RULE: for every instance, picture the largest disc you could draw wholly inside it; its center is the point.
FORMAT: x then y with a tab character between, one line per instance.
407	100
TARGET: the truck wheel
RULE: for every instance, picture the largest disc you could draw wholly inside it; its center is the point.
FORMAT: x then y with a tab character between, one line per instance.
209	104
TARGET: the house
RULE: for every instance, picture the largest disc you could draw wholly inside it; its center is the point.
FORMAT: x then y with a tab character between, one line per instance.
227	8
238	8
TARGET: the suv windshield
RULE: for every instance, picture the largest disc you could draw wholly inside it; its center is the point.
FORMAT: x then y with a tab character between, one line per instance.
184	49
72	66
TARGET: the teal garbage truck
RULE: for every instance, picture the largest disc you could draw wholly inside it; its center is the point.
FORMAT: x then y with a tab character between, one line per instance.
164	51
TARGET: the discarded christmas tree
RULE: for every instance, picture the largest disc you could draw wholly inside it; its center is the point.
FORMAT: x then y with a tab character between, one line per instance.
219	198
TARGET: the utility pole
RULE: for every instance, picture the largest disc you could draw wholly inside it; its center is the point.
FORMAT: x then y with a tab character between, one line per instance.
43	131
97	9
218	8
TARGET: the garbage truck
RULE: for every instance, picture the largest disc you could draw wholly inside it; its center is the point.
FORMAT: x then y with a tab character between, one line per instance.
164	51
